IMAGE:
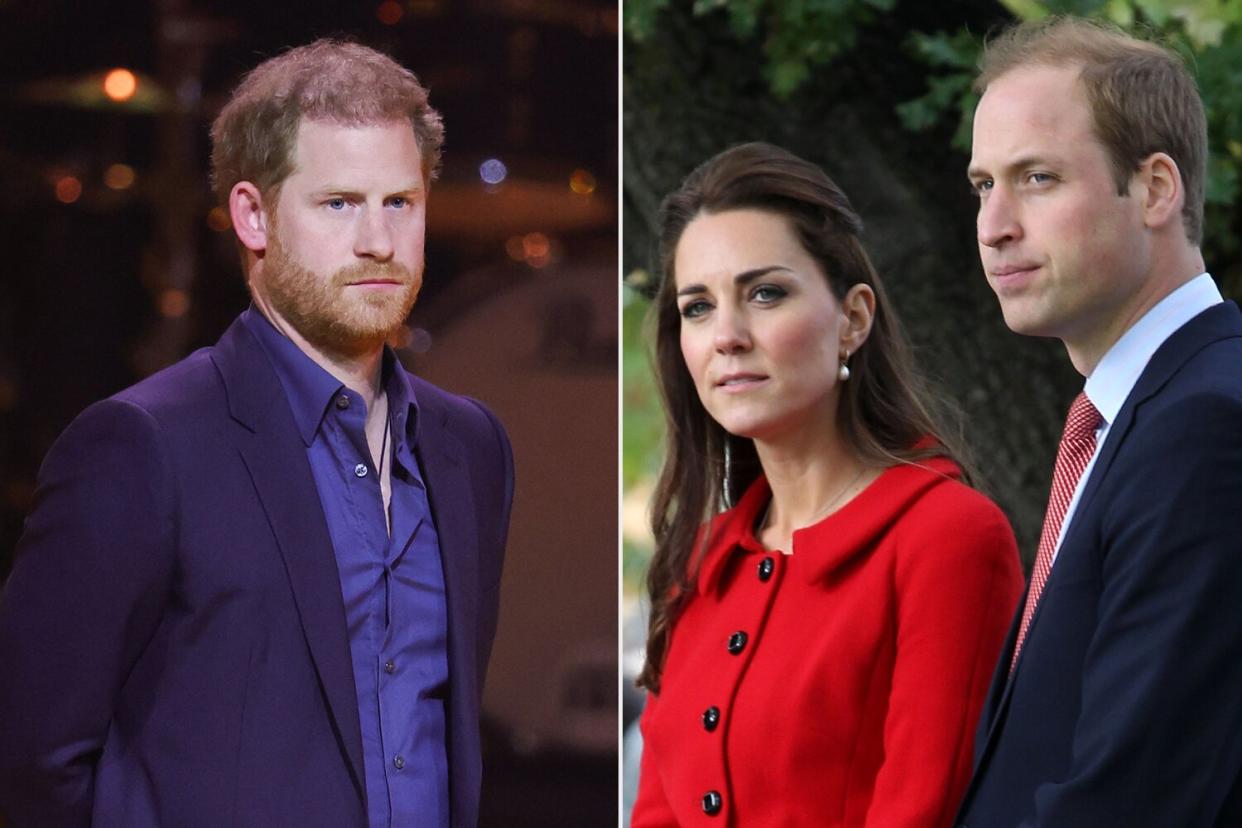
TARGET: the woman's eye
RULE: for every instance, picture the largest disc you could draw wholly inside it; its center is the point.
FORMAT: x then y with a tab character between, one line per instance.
767	293
698	307
335	203
397	201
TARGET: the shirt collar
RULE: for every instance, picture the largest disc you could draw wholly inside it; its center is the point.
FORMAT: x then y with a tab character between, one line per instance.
1114	377
310	389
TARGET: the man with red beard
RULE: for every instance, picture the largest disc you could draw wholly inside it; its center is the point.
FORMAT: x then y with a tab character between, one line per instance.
260	587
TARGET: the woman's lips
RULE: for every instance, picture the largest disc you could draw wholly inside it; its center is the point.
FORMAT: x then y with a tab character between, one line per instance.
737	383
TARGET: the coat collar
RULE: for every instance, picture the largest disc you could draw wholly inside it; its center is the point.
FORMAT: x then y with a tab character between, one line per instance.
826	546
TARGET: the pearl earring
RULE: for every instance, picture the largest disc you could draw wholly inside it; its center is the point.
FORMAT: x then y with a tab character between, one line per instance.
843	373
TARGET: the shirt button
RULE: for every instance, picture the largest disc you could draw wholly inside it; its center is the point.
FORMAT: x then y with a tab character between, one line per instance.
342	402
765	569
711	718
360	470
737	642
712	803
398	761
389	667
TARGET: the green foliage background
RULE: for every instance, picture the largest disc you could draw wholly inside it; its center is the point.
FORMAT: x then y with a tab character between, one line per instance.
799	38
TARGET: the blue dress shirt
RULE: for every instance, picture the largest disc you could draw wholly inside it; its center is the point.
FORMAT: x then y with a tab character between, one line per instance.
392	582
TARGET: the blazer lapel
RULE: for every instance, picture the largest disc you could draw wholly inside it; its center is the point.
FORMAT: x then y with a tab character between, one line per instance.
441	456
276	459
1217	322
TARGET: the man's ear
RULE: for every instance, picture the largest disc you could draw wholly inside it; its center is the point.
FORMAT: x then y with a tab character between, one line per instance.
249	215
1163	194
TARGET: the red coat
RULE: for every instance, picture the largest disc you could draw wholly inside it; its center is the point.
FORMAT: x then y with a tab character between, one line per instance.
839	685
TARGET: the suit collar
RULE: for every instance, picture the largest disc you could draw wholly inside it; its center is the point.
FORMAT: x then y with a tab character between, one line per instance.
276	459
275	456
1218	322
1221	321
1115	376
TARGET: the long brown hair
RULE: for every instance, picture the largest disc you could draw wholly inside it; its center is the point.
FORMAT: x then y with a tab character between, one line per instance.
883	414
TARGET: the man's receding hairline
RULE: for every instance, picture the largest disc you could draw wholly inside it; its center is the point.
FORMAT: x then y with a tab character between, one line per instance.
1042	62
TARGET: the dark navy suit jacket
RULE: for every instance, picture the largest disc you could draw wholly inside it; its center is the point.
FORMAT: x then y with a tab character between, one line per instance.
173	648
1125	706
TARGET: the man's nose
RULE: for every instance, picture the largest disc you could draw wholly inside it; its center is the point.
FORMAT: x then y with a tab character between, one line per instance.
997	222
373	237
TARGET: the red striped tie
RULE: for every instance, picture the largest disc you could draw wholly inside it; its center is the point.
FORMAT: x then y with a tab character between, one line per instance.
1077	446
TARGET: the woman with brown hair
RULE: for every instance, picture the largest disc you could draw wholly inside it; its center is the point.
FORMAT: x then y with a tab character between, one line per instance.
828	598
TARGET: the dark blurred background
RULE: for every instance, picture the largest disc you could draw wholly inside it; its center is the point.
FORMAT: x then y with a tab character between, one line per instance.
117	263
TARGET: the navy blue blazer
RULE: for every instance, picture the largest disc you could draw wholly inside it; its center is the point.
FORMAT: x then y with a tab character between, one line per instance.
173	636
1125	706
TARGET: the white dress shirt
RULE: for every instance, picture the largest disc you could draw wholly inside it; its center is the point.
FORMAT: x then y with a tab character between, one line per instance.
1114	377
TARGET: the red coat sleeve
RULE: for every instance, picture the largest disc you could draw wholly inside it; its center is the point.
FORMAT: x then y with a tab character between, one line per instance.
957	581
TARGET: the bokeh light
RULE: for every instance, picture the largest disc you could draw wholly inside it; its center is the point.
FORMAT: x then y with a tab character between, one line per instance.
120	84
537	249
68	189
493	171
119	176
218	219
582	182
174	303
515	249
389	12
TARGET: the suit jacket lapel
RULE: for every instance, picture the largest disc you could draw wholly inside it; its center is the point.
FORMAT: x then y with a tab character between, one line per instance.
441	456
276	459
1217	322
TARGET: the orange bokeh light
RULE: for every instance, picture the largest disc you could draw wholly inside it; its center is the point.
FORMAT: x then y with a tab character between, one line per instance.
516	248
537	249
174	303
68	189
582	182
119	176
120	84
389	12
218	219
